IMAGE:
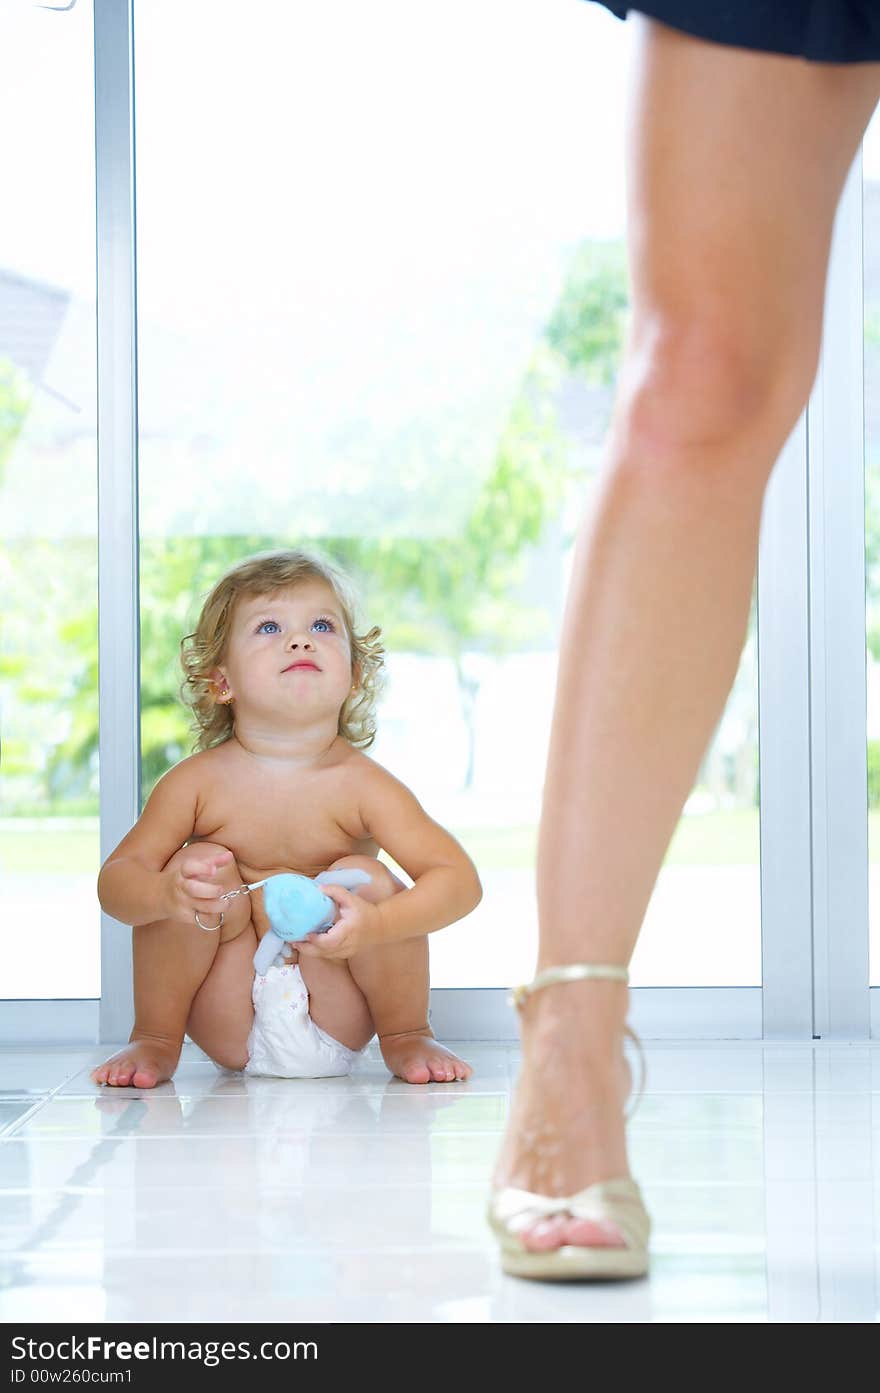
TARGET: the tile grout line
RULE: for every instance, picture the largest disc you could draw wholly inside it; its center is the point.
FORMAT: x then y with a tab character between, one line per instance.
8	1131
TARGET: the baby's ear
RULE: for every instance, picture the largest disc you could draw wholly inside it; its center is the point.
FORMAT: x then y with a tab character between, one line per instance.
220	686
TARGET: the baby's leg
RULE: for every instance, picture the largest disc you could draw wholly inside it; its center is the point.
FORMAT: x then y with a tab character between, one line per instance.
171	962
393	978
223	1012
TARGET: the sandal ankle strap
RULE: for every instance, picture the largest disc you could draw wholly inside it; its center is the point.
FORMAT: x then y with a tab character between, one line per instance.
573	972
570	972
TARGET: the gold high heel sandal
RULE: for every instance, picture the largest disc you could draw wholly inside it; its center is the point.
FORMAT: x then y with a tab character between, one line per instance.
620	1200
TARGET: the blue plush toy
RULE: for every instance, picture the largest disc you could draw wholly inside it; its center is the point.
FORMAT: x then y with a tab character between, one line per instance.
296	907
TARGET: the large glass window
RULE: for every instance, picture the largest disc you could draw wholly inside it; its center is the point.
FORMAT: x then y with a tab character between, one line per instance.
49	845
871	206
382	294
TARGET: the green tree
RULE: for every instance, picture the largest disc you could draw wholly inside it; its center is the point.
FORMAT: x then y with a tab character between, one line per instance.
16	395
588	326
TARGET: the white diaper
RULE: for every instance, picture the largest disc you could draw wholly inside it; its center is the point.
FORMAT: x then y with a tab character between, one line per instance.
284	1039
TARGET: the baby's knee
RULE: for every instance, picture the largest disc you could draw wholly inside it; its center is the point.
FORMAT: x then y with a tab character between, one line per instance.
230	1058
228	873
237	911
383	882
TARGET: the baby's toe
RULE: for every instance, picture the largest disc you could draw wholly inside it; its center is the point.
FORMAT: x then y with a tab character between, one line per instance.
145	1077
417	1072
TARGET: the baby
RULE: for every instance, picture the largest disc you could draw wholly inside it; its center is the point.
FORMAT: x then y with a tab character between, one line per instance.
283	694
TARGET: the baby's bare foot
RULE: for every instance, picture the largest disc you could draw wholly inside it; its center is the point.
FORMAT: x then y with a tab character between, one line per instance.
139	1064
416	1057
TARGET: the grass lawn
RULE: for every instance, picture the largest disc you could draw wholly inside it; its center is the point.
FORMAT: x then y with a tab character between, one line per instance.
53	850
710	839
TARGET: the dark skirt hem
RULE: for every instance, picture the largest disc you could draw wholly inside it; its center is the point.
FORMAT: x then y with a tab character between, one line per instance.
820	31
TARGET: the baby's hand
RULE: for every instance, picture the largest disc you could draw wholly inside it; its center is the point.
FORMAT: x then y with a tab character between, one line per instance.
358	926
193	884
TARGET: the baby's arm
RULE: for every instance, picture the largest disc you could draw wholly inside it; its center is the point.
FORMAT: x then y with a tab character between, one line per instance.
447	886
130	884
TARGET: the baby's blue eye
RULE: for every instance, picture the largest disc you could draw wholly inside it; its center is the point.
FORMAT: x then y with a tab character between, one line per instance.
328	622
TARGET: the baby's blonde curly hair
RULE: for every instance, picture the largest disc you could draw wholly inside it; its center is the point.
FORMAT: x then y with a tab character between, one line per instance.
267	573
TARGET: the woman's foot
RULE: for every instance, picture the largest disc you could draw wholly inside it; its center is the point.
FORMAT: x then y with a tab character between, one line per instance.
566	1125
416	1057
140	1064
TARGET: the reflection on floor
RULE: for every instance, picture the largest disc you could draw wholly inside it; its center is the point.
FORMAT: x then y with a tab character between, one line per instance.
219	1198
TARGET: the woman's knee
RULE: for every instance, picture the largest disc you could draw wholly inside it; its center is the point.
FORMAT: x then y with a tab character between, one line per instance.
691	384
729	230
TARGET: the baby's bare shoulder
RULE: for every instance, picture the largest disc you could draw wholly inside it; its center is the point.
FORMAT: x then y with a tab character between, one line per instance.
360	768
208	759
198	772
370	780
201	765
359	777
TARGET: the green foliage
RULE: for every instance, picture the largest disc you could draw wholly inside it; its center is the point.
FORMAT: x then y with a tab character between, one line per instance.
874	773
48	670
872	555
872	325
176	574
446	596
16	394
587	328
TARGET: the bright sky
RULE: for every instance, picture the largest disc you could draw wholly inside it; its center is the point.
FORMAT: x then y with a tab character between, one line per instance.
298	95
289	93
288	88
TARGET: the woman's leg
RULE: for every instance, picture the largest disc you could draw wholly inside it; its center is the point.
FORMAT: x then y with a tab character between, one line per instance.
736	162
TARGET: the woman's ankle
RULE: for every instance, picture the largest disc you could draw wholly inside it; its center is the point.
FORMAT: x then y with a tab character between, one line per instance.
588	1015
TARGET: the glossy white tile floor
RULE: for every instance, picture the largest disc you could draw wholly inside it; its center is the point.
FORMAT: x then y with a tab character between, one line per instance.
219	1198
